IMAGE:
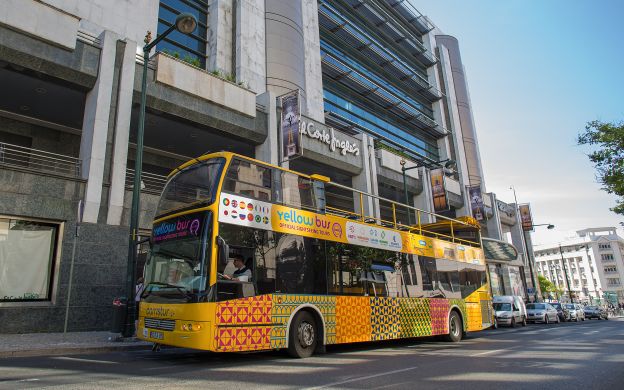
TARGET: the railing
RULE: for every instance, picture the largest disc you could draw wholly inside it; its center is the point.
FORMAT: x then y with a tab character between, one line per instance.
39	160
418	227
151	183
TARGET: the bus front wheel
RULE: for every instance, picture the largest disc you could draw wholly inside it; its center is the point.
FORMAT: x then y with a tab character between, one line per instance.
455	328
303	336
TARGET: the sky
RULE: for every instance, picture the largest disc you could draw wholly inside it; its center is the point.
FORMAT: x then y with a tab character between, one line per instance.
538	71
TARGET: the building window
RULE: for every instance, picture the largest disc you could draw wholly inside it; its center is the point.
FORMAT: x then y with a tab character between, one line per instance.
27	259
604	246
610	269
192	47
606	256
613	281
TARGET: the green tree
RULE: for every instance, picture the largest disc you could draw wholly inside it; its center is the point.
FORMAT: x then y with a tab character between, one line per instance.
546	286
608	157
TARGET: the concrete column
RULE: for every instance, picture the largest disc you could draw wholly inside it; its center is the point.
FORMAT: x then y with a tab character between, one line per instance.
269	150
250	45
285	54
314	106
424	200
367	180
219	47
95	128
122	132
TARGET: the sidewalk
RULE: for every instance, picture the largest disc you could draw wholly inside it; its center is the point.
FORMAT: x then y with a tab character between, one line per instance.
37	344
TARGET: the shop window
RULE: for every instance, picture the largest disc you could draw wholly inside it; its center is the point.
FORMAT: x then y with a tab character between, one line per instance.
27	259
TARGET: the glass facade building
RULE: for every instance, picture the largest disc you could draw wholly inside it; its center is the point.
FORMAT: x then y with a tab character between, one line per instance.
191	48
375	77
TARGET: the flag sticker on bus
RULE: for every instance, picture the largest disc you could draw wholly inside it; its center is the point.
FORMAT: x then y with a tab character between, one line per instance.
239	210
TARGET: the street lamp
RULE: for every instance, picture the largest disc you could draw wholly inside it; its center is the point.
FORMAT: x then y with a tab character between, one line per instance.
186	24
448	163
565	272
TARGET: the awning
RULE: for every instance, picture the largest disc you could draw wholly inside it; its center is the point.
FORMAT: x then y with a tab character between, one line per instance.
498	250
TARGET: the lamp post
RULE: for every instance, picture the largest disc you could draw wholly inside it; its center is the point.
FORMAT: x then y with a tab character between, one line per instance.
186	24
565	272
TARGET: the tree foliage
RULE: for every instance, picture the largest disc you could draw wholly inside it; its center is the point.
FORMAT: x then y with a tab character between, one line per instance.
548	288
608	157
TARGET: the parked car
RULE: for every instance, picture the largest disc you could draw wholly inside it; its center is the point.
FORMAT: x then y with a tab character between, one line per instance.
595	312
576	312
542	312
562	312
509	310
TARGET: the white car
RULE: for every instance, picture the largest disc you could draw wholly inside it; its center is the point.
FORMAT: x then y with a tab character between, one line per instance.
542	312
509	310
576	312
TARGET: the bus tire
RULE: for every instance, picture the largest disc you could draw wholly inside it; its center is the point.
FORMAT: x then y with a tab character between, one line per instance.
455	328
303	335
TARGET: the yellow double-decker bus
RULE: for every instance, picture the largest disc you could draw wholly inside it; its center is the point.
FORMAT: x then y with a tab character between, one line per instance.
318	270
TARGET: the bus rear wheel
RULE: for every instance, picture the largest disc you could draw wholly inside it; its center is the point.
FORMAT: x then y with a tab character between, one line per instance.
455	328
303	335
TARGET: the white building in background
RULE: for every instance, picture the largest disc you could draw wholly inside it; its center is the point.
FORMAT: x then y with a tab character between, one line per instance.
593	261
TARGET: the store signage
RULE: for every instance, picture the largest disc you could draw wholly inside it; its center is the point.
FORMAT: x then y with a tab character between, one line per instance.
289	125
343	146
525	217
476	203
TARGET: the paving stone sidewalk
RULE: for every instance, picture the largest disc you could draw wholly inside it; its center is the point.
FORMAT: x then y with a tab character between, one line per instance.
39	344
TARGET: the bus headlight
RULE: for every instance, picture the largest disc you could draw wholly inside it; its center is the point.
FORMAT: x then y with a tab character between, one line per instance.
191	327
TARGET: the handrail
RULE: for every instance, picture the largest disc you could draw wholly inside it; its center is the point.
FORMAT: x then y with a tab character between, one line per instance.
153	182
41	160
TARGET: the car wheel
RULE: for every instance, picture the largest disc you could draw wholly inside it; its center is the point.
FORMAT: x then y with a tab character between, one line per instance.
513	322
546	319
524	321
558	320
303	335
455	328
583	319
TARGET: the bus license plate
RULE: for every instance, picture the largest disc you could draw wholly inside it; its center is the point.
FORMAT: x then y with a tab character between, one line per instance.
156	335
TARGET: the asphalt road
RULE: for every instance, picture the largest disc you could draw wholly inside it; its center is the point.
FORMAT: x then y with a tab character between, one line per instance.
589	354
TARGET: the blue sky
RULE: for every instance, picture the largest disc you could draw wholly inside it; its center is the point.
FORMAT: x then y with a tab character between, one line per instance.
538	71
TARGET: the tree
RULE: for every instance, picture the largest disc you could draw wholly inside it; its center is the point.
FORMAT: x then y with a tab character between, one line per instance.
608	158
546	286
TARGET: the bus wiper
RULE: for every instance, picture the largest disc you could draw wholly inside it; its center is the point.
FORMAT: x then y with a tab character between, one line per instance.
181	289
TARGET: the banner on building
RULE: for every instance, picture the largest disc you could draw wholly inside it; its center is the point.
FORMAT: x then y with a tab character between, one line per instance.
438	190
289	126
525	217
476	203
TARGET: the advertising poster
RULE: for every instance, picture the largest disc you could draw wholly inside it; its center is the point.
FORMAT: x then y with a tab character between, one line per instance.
476	203
525	217
289	126
440	203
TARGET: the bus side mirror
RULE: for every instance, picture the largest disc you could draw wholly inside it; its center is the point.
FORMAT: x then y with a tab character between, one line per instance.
223	250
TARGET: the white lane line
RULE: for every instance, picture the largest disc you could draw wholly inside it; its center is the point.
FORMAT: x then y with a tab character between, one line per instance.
591	332
362	378
487	352
27	380
84	360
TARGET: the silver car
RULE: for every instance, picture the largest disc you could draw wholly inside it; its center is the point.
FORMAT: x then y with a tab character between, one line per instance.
576	312
542	312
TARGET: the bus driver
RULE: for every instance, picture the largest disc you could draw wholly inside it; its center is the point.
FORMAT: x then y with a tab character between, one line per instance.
242	273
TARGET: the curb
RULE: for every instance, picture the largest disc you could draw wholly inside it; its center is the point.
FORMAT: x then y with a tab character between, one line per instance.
71	350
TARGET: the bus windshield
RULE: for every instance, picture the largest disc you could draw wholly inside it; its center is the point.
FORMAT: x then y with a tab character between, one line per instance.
192	186
176	270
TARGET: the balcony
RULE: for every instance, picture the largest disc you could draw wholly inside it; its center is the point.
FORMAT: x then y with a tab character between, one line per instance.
23	158
412	16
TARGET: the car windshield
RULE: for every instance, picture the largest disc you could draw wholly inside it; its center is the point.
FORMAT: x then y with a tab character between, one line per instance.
556	305
570	306
502	306
175	270
536	306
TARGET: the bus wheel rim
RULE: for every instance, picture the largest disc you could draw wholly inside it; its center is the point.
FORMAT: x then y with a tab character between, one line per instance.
454	327
306	334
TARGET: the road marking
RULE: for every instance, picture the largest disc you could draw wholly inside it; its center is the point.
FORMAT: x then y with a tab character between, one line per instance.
488	352
363	378
84	360
593	331
28	380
